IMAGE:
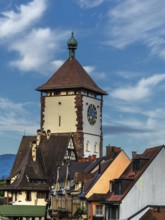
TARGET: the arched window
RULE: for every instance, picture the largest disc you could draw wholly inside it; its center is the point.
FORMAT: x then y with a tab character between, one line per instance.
96	147
88	146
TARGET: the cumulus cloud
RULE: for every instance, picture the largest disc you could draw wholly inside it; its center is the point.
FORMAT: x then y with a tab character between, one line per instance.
140	21
13	22
89	3
16	117
91	70
37	50
142	90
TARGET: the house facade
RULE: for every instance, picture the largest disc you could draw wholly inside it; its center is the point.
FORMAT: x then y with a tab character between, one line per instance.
95	189
140	186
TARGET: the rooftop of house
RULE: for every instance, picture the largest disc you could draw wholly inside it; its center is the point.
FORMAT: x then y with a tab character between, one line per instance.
154	214
102	164
139	164
71	75
27	172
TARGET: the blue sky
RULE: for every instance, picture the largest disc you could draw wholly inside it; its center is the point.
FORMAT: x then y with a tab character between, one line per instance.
120	43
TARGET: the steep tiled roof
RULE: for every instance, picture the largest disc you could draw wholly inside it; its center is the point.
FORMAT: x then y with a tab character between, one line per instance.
97	197
154	214
53	151
71	75
130	176
25	169
49	153
74	167
22	151
102	164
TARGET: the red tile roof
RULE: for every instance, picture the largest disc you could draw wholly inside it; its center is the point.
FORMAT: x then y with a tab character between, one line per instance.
71	75
132	176
154	214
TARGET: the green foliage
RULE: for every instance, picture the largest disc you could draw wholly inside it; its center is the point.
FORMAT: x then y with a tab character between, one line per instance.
63	213
2	182
80	211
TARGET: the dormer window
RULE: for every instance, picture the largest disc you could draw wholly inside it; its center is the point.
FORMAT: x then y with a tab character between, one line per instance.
138	163
116	187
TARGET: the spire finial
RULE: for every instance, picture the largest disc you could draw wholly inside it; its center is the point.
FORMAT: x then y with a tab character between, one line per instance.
72	46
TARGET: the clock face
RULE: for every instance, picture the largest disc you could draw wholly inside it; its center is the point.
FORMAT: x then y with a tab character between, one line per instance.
92	114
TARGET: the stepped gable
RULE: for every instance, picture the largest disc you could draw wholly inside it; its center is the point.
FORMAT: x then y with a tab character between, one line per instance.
71	75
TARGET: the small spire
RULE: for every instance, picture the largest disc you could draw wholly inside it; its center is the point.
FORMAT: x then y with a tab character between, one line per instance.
72	46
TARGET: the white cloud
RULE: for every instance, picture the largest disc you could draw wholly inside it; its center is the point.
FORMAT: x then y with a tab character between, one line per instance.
89	3
57	63
17	117
142	90
13	22
37	50
91	70
140	21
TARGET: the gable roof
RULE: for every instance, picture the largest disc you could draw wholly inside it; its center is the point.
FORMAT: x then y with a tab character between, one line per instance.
154	214
25	169
130	177
49	153
102	164
73	168
71	75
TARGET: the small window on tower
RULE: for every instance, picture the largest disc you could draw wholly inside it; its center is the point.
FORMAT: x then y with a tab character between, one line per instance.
59	122
88	146
96	148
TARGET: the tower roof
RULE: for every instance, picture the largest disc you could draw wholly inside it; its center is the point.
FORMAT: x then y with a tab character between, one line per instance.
71	75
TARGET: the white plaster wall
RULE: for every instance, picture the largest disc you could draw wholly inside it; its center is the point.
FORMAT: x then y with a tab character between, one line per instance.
148	190
92	139
88	128
21	199
66	110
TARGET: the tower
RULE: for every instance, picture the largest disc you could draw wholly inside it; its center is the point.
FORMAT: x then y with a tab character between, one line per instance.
71	102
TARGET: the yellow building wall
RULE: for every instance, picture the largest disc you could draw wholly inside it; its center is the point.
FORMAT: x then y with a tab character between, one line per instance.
63	107
114	170
21	199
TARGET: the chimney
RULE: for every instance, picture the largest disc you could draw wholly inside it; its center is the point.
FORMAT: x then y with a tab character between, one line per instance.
134	153
48	134
111	150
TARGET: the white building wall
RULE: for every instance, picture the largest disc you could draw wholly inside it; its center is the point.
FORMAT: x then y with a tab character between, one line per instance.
92	140
92	133
87	127
148	190
63	107
21	199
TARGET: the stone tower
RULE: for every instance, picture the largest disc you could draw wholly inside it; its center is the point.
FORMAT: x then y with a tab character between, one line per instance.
71	102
